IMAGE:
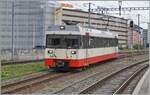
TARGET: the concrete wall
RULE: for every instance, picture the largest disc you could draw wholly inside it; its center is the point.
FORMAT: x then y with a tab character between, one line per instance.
22	55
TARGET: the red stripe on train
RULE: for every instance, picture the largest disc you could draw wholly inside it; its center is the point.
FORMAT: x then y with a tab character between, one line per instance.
73	63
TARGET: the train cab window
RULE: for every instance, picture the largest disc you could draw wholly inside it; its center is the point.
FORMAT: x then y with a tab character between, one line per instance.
71	43
55	41
52	41
101	42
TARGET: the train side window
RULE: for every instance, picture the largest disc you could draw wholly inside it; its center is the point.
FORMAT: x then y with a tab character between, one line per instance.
115	44
102	42
80	42
97	42
105	42
108	42
116	41
84	41
91	42
111	42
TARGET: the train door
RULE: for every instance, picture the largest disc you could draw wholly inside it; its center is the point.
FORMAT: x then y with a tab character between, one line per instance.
86	48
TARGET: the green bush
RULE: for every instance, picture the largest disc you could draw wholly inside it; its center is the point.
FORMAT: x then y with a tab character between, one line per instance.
123	48
18	70
137	46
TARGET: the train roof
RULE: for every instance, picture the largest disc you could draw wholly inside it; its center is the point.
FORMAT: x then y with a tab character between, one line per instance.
78	30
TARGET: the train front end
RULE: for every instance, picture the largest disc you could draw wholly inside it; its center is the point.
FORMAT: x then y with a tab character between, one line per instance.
61	49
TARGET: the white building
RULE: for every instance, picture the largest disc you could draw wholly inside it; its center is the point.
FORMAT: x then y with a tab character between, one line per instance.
99	21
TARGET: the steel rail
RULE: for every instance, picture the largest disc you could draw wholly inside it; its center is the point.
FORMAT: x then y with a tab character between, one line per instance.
86	90
5	85
125	84
28	83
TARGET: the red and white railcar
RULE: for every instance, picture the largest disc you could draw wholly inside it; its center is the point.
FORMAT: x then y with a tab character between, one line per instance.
77	47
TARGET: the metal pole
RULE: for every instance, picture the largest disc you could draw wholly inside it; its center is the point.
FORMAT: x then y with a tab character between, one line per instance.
138	19
132	37
132	44
33	36
120	4
44	19
89	19
12	48
149	31
139	31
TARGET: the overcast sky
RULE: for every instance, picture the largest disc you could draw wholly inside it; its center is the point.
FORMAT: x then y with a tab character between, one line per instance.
144	14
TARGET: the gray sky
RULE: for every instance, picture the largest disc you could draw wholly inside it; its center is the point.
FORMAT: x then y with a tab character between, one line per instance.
144	14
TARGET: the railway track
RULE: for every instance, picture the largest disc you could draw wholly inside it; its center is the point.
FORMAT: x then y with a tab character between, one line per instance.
115	80
129	85
31	82
102	86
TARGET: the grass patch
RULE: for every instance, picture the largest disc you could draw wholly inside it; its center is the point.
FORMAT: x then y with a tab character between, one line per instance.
17	70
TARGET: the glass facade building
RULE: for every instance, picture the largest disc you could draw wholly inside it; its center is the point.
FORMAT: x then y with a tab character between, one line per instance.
145	37
23	23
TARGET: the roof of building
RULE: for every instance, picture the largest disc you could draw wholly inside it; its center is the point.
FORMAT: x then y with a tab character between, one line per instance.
77	10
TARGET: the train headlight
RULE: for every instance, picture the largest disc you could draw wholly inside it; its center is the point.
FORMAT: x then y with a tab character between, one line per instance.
50	51
62	27
73	52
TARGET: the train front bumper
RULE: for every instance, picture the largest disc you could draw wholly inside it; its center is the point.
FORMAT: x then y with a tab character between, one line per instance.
63	63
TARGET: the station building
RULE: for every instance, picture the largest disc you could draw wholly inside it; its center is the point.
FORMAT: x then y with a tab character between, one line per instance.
75	16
